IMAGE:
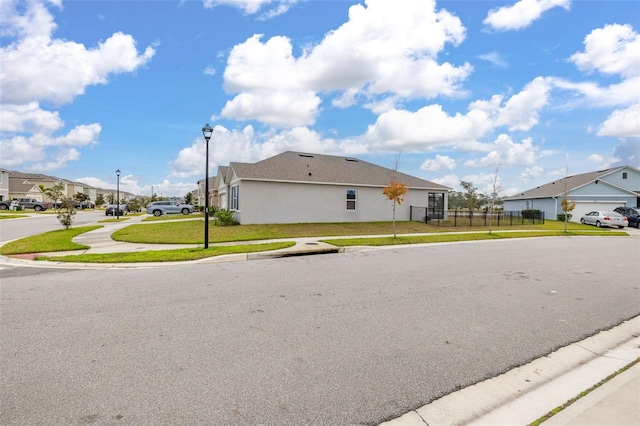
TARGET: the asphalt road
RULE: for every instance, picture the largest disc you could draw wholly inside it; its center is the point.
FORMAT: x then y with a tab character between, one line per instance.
334	339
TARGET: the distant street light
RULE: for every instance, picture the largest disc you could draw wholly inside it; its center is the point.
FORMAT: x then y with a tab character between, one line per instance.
118	195
206	132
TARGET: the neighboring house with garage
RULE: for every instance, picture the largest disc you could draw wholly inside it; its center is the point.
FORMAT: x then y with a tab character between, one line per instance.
295	187
600	190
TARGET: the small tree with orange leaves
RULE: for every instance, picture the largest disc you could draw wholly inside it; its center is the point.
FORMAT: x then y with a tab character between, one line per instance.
566	204
567	208
395	191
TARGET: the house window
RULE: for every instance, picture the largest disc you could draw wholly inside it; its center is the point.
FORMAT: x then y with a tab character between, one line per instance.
351	199
235	196
624	175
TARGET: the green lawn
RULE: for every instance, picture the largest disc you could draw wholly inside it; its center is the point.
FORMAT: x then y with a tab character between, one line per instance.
59	240
152	218
448	237
192	232
11	216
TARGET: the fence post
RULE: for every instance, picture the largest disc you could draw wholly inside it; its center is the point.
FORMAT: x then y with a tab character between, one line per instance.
410	213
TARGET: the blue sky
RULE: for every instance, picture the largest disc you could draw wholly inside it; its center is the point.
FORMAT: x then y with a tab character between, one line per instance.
457	90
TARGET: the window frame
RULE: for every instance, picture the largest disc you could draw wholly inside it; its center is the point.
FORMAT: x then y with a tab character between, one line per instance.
234	199
351	200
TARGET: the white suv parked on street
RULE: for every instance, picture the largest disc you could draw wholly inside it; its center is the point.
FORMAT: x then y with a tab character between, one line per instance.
158	208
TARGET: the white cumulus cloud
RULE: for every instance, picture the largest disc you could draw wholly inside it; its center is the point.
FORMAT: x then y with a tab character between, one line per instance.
36	68
271	8
521	14
381	52
506	152
622	123
612	49
439	163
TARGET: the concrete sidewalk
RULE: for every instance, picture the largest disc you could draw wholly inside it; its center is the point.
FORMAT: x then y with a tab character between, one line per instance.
99	241
527	393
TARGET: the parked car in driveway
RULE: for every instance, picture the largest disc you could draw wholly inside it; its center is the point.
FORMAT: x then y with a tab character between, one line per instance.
111	210
158	208
604	218
632	215
31	203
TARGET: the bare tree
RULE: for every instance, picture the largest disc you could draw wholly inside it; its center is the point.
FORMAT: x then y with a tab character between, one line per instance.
496	188
395	191
566	204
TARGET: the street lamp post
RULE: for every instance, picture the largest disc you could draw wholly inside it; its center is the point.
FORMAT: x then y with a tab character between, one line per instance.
206	132
118	195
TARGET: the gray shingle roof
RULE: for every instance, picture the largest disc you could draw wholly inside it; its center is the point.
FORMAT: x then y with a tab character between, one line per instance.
557	187
21	186
33	176
316	168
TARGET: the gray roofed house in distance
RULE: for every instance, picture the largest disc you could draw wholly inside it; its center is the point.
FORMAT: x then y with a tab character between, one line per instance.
602	190
296	187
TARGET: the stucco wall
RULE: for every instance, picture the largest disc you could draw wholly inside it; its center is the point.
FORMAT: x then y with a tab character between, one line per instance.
632	182
273	202
547	205
600	189
4	185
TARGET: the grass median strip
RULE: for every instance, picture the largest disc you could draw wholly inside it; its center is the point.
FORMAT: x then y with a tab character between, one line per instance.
59	240
556	410
11	216
441	238
177	255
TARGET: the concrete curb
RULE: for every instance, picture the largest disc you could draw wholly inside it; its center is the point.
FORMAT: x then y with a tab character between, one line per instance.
526	393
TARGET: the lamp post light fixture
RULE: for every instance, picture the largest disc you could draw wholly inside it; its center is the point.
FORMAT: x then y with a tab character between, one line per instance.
118	195
206	132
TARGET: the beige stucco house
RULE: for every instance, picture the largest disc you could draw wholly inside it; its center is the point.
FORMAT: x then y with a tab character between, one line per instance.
295	187
21	188
20	180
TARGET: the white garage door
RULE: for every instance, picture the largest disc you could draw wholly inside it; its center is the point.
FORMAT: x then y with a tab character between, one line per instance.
583	207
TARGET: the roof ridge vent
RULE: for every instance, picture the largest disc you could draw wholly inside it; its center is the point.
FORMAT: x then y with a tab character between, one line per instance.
355	160
305	155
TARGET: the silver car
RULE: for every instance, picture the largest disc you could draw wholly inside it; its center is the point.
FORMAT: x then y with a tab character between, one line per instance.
158	208
604	218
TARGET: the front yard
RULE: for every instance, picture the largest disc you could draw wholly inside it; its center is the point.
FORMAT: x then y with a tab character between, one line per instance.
192	231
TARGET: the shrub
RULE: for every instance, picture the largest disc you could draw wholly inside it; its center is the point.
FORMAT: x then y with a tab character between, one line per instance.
561	217
531	214
66	212
66	219
225	217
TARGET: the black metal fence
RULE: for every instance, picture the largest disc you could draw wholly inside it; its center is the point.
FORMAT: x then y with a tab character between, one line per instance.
475	218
